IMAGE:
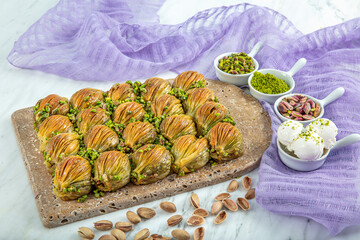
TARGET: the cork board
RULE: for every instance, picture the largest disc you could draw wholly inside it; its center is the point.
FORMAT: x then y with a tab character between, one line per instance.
250	118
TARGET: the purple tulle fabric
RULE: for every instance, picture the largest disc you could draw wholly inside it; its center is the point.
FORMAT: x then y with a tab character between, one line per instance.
107	40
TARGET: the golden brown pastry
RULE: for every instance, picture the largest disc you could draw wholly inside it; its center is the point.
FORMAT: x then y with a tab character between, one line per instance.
50	105
176	126
89	117
121	92
208	115
226	142
86	97
72	178
51	126
152	163
190	154
139	133
188	80
111	171
128	112
166	105
101	138
59	147
155	87
197	97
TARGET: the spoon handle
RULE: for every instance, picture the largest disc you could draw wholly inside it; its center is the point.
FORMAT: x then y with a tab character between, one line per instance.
333	96
348	140
255	49
297	66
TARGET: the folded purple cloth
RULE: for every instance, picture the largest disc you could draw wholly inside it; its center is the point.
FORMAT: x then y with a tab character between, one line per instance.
103	40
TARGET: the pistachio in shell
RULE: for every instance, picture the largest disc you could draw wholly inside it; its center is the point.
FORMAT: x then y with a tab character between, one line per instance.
133	217
101	138
226	142
155	87
196	98
146	213
143	234
124	226
59	147
151	163
208	115
176	126
85	232
50	105
86	97
118	234
168	207
72	178
128	112
166	105
51	126
89	117
139	133
111	171
188	80
189	153
121	92
180	234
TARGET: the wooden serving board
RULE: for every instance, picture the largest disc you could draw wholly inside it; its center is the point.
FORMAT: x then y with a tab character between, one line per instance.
251	119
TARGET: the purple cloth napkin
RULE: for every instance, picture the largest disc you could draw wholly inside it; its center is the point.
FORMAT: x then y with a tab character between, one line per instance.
115	41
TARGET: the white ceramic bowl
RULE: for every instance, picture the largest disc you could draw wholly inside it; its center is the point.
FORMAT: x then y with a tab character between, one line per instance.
236	79
338	92
305	166
285	76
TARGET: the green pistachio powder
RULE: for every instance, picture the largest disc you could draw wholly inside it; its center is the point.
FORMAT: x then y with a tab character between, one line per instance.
268	83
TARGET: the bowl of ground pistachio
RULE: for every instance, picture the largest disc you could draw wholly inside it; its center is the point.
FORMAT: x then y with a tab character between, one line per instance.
235	67
270	84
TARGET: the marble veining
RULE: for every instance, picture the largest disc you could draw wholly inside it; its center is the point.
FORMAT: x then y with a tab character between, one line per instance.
19	218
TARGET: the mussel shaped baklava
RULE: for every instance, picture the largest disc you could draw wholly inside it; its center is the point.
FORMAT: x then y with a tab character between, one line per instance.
152	163
50	105
139	133
128	112
189	153
59	147
155	87
101	138
208	115
72	178
176	126
226	142
89	117
166	105
188	80
86	97
111	170
121	92
51	126
197	97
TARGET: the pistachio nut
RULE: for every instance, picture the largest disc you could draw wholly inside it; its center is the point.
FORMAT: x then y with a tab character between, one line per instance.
103	225
168	207
118	234
107	237
174	220
143	234
216	207
180	234
233	186
124	226
133	217
146	213
85	232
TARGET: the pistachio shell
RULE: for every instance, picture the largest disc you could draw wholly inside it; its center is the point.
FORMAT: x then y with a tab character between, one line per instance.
222	196
199	233
201	212
216	207
243	203
124	226
142	234
168	207
220	217
250	194
233	186
107	237
103	225
230	204
174	220
187	80
146	213
180	234
194	200
195	220
118	234
246	183
85	232
133	217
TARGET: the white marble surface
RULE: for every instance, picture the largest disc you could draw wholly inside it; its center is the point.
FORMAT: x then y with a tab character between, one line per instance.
19	218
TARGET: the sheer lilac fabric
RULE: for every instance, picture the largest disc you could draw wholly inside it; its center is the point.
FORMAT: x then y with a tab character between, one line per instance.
106	40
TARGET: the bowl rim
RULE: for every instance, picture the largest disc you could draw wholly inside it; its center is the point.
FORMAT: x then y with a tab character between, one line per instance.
234	75
277	102
272	95
298	159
